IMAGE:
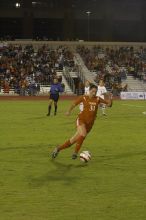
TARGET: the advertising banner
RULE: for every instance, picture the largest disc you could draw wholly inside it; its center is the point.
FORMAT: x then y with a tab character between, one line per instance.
133	95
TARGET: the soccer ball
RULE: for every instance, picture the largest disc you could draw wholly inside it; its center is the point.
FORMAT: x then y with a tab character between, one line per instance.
85	156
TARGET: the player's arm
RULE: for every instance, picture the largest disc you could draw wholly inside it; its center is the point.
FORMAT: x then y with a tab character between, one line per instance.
49	92
61	89
70	109
105	92
108	100
74	104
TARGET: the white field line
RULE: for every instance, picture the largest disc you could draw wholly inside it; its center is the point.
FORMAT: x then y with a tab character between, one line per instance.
137	106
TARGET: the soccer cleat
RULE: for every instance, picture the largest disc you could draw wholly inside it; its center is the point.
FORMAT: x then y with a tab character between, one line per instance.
104	114
48	114
55	153
74	156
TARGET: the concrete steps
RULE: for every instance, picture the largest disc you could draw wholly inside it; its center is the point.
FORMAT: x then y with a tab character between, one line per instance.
135	85
68	90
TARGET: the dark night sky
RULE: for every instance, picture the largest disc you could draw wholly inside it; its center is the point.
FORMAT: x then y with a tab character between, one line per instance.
75	3
122	20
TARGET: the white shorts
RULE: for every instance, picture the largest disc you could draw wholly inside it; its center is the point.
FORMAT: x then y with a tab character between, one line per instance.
81	107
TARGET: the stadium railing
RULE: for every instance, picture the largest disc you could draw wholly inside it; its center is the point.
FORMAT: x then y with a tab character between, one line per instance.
68	78
83	72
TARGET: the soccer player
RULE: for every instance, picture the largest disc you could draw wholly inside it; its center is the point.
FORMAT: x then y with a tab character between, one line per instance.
56	88
86	92
101	92
87	87
85	120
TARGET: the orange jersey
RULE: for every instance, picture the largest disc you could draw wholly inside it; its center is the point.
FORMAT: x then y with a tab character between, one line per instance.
90	107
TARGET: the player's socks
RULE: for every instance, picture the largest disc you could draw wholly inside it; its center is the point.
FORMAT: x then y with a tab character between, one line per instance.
79	143
55	153
65	145
103	111
74	156
55	110
49	110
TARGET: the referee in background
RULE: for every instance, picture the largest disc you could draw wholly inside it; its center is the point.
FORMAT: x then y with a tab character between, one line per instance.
55	89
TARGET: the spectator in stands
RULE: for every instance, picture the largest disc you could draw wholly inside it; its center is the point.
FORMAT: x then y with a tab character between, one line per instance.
19	66
23	84
6	87
37	88
118	88
112	65
32	88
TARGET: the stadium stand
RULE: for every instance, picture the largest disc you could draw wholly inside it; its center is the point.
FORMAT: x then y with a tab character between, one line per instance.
27	68
119	67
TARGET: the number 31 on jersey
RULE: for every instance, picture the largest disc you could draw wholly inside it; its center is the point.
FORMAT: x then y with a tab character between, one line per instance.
92	108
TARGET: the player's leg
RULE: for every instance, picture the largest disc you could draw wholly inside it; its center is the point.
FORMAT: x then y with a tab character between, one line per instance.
65	145
49	107
103	109
56	98
70	142
82	133
55	107
78	138
100	108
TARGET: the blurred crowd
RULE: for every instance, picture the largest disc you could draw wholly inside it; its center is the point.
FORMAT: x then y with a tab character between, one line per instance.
25	68
113	65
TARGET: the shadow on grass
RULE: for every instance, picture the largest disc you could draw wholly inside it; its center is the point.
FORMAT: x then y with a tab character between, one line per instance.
40	117
120	156
62	173
24	147
60	165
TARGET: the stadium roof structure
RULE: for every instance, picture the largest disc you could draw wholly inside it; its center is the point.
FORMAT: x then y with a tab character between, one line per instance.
109	20
75	4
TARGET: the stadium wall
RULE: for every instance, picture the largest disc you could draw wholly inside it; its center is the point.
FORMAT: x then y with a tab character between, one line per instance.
74	44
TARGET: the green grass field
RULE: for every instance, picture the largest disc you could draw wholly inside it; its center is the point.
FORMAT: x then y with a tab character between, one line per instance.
112	186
